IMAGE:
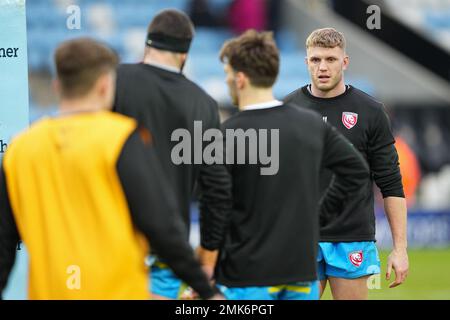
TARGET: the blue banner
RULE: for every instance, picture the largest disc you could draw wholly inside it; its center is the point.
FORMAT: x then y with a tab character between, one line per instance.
13	103
13	71
426	229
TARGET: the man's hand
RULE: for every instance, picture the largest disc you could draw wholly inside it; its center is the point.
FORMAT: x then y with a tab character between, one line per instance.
190	294
396	213
208	261
397	260
209	271
217	296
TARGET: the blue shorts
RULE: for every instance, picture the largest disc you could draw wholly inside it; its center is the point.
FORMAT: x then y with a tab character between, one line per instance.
294	291
348	260
164	282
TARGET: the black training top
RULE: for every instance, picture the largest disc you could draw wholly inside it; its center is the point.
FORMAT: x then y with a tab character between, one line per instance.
363	121
274	226
165	101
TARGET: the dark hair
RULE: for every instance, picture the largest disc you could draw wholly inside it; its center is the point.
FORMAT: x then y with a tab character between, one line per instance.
256	55
173	23
79	64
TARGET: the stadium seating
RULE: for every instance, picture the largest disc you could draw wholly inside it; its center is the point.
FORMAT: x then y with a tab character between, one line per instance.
122	24
431	17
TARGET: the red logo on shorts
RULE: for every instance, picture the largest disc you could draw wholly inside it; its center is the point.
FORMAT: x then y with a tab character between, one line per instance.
349	119
356	258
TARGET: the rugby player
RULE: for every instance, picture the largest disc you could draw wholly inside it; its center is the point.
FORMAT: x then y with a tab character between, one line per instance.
347	251
160	97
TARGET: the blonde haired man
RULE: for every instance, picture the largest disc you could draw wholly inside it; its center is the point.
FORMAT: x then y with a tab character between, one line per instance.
347	252
270	244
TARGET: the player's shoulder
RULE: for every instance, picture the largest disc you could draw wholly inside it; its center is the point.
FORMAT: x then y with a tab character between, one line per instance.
36	128
289	113
295	109
129	68
296	95
117	119
308	120
198	92
367	100
151	73
130	75
233	120
28	136
136	72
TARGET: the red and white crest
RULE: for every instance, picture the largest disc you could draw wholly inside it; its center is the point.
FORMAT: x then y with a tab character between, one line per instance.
349	119
356	258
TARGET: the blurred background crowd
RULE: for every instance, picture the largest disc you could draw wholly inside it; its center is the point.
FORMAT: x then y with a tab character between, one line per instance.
405	64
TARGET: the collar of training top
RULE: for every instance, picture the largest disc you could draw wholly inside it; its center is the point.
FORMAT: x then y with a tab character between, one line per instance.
164	42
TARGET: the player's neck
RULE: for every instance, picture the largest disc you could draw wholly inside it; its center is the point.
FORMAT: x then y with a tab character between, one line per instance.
155	57
85	104
336	91
255	96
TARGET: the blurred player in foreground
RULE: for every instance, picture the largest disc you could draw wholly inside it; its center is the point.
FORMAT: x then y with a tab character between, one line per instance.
160	97
347	251
81	188
271	244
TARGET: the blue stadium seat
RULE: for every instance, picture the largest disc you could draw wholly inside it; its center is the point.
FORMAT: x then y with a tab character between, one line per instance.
363	84
205	66
209	40
287	41
437	20
45	16
293	65
286	85
134	16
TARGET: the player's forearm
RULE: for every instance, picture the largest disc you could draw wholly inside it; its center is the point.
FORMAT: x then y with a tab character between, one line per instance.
207	257
215	205
7	258
396	213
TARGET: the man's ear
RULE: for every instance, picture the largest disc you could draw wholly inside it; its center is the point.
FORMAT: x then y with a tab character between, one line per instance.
345	63
56	85
182	57
241	80
102	84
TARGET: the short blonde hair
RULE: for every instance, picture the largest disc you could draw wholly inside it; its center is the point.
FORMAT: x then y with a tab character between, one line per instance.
326	38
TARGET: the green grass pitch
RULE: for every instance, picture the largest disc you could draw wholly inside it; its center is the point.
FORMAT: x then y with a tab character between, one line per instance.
428	278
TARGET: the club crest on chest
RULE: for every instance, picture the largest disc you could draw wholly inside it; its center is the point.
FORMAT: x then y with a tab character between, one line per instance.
349	119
